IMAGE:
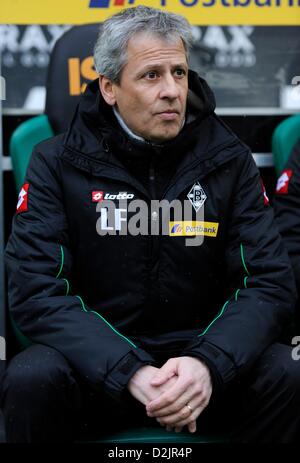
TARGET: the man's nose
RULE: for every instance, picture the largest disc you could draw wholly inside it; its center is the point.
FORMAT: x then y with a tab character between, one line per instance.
169	87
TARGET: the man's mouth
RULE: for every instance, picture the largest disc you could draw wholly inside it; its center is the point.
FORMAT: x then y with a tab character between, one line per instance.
169	114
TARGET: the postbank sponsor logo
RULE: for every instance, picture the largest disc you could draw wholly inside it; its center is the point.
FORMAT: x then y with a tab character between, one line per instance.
198	12
193	228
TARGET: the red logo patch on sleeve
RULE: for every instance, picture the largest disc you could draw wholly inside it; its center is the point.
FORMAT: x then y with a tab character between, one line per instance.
97	196
22	205
266	199
282	186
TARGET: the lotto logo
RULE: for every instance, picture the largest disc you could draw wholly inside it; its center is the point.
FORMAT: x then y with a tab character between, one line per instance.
97	196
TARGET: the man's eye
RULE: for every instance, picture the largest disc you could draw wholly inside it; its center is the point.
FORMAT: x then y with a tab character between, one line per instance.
180	72
151	75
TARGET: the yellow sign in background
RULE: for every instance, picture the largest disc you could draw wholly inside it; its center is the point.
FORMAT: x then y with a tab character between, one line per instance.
198	12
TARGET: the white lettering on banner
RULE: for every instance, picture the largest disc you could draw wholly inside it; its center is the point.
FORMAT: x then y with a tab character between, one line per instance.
215	37
234	46
33	35
240	38
27	41
9	35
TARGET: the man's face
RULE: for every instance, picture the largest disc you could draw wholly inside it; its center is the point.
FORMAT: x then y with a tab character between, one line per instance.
151	96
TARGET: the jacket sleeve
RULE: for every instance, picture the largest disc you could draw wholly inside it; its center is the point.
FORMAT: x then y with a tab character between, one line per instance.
39	265
287	207
261	296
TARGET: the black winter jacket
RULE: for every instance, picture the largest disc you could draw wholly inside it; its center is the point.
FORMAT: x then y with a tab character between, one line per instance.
113	303
287	209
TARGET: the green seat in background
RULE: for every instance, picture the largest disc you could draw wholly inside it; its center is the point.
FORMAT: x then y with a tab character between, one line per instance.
284	138
22	142
153	435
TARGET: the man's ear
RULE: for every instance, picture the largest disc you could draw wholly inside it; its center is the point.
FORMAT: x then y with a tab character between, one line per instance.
107	90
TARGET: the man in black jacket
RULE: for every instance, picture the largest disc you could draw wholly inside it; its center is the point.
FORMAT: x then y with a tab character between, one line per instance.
181	326
287	207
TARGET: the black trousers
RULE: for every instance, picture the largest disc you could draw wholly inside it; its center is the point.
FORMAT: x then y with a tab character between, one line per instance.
43	400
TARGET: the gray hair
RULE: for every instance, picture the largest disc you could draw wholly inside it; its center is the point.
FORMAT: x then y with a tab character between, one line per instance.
110	52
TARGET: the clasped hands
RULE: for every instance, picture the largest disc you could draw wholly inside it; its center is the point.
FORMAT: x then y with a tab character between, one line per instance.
174	394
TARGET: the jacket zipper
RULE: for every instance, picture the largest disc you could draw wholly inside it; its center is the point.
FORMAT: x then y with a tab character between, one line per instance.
154	240
152	190
151	178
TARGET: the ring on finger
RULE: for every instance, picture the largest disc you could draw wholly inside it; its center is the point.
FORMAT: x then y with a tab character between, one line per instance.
189	407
